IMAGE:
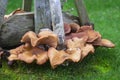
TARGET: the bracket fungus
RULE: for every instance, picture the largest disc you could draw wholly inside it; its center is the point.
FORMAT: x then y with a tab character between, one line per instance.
31	50
79	42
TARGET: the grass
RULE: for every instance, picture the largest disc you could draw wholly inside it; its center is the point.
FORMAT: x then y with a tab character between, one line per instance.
103	65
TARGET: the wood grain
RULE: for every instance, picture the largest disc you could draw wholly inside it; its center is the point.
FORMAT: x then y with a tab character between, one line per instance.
83	16
3	4
42	15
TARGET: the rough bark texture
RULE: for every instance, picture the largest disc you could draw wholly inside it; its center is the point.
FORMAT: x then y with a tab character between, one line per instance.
17	25
42	15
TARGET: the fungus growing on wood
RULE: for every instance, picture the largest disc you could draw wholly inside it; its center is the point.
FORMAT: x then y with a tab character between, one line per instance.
67	28
76	43
47	38
71	28
28	54
74	27
79	42
88	48
56	57
104	43
31	49
74	54
30	37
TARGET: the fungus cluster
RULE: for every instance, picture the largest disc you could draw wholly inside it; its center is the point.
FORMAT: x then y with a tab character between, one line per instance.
79	42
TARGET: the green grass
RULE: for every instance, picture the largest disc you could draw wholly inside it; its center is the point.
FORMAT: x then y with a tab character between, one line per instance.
103	65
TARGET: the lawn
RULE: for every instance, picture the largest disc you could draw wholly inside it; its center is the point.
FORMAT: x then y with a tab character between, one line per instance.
103	65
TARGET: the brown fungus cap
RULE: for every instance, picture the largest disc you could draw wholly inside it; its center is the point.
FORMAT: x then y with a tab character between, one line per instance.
47	38
76	43
104	43
28	55
30	37
67	28
86	50
74	54
74	27
56	57
71	28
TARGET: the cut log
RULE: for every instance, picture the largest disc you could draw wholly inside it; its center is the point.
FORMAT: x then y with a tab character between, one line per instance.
17	25
14	28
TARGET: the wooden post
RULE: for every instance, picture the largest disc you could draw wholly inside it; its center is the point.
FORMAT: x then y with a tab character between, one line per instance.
57	20
27	5
3	4
83	16
42	15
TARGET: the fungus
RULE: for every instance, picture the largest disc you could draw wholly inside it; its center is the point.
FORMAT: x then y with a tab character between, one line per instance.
28	54
104	43
71	28
67	28
41	56
34	54
92	35
86	50
75	43
56	57
84	31
74	27
32	50
79	42
47	38
78	35
30	37
74	54
85	28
